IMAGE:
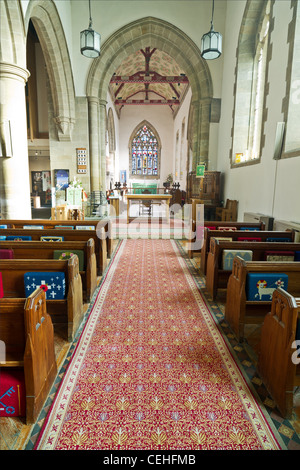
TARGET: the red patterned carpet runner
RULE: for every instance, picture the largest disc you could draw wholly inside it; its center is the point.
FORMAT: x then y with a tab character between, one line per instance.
151	370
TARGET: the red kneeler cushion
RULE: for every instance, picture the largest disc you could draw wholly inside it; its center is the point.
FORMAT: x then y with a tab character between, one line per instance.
12	392
6	254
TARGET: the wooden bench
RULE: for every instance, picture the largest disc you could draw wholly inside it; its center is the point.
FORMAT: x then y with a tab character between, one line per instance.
234	235
27	332
217	277
217	225
279	362
45	250
67	312
238	310
97	235
52	224
229	212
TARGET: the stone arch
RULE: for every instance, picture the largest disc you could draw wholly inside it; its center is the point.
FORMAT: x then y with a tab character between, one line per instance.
160	34
47	23
170	39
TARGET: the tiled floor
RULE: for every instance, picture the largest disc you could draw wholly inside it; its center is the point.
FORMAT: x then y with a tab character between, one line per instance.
15	435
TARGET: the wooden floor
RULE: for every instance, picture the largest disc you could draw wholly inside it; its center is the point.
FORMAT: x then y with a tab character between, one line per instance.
14	433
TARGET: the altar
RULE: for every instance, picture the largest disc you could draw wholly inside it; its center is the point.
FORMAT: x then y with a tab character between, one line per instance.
152	198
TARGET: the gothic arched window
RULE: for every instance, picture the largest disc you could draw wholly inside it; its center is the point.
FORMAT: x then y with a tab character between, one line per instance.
144	156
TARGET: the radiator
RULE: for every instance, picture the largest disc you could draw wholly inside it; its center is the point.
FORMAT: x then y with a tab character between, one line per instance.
283	225
257	217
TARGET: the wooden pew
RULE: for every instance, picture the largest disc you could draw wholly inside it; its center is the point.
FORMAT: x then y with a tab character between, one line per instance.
67	312
27	331
97	235
45	250
238	310
218	224
217	278
234	235
229	212
51	224
278	362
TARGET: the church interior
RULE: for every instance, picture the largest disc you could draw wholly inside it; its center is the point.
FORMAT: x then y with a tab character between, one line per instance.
150	225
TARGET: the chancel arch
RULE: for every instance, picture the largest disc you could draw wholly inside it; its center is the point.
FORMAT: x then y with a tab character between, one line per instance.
162	35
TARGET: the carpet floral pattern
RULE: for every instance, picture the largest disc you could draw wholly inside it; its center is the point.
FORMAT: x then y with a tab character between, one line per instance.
151	369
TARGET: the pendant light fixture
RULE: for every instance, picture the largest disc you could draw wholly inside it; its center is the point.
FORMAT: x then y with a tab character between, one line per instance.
211	42
90	40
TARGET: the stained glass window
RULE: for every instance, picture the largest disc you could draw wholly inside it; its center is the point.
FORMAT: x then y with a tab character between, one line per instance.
144	153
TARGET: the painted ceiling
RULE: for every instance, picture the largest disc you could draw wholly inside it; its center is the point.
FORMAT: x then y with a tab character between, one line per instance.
149	76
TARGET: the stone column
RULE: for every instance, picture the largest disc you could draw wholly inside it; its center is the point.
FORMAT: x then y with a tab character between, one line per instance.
93	116
201	131
14	165
102	113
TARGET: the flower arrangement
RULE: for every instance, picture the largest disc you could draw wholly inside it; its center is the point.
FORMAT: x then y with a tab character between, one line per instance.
75	183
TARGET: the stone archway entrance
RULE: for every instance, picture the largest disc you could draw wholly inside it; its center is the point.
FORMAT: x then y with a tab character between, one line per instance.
127	40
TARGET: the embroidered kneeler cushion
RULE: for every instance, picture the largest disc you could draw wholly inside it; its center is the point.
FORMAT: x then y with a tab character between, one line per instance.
249	239
45	238
63	254
1	287
67	227
2	237
6	254
12	392
18	238
279	256
278	239
260	286
33	227
85	227
228	239
3	226
229	229
228	256
211	228
298	333
52	283
297	255
249	229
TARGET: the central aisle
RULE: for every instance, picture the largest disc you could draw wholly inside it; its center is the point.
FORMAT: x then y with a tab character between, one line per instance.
151	369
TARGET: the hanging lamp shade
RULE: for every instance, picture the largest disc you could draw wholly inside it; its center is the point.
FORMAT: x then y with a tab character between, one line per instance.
211	42
90	40
211	45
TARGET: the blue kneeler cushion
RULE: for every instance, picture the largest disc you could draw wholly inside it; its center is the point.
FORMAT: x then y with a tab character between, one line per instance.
260	286
53	284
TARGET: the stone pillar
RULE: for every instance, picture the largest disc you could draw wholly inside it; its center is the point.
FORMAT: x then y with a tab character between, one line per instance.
14	165
93	113
201	131
103	147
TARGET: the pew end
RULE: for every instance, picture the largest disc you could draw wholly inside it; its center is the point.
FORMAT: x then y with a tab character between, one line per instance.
27	332
279	357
